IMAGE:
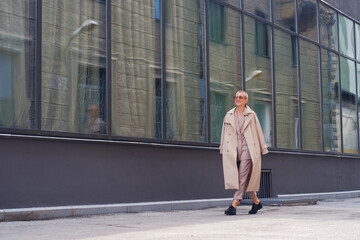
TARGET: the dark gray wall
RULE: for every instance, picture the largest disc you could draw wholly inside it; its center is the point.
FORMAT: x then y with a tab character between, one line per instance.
349	7
54	172
51	173
302	173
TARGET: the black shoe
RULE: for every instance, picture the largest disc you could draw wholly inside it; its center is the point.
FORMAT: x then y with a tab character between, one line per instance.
230	211
255	208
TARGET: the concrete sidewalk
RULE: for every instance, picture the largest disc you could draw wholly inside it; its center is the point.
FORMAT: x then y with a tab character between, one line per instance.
328	219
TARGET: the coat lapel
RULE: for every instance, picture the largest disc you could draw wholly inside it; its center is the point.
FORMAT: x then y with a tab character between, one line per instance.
248	117
230	118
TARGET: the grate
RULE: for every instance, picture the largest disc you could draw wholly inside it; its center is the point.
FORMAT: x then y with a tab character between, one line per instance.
265	190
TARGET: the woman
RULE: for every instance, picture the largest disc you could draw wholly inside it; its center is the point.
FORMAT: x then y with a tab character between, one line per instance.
95	124
241	146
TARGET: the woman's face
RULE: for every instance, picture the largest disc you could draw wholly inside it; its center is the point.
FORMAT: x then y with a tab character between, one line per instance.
93	111
240	99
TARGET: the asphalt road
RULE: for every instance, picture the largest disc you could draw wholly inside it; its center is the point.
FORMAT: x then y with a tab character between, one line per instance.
332	219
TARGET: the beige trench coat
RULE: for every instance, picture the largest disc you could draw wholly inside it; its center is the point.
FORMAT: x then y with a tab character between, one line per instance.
256	144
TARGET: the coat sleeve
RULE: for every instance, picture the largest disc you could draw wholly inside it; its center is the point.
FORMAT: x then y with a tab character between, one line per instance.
222	137
263	146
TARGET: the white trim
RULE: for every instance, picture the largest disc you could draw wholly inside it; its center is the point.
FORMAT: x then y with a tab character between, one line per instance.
324	195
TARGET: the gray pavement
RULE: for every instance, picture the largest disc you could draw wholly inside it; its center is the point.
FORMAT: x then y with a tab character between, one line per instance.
328	219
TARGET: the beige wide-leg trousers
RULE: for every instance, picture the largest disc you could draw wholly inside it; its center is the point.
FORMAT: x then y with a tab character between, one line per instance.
244	178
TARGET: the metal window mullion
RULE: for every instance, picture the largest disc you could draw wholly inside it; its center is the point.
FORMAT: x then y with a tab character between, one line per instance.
242	24
163	66
271	13
273	74
340	101
318	22
299	94
38	40
321	100
207	70
274	138
357	86
108	68
320	76
340	80
299	78
296	17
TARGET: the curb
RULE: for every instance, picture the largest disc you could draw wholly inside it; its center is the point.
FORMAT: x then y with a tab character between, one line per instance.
41	213
323	196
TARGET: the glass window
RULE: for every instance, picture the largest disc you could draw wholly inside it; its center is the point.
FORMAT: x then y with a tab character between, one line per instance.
157	9
284	13
17	64
348	93
346	36
136	70
286	86
236	3
225	72
331	101
294	55
262	39
258	86
307	18
185	79
328	27
216	22
260	8
357	28
73	93
310	96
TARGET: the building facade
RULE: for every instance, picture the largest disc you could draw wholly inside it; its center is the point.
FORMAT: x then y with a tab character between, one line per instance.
123	100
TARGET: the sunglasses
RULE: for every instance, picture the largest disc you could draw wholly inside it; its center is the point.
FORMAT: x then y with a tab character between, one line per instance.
240	97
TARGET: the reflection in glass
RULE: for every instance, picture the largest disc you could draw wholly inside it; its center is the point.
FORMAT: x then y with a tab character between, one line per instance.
73	65
236	3
17	64
328	27
136	69
331	101
307	18
357	30
286	85
216	22
260	8
225	70
346	36
185	79
349	116
95	124
258	36
284	13
310	96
